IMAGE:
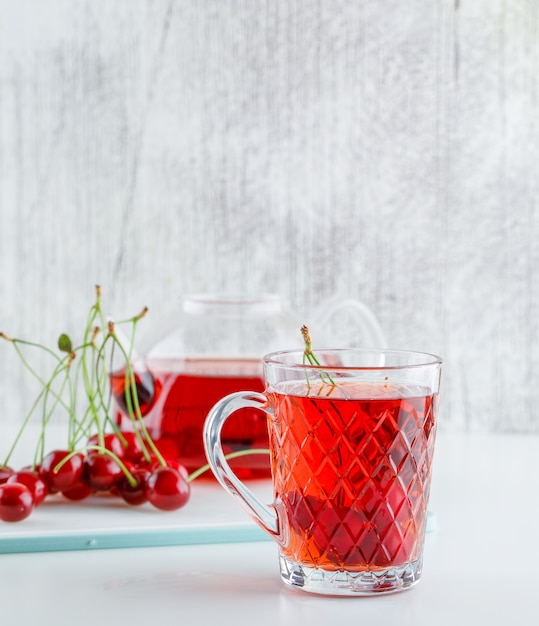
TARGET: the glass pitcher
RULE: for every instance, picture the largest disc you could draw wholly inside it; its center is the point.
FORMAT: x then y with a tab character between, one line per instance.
214	347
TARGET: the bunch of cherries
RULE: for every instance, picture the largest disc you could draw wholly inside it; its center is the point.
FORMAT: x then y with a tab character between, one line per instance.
127	464
118	466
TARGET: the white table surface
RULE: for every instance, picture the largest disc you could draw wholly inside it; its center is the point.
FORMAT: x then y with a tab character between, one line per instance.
481	564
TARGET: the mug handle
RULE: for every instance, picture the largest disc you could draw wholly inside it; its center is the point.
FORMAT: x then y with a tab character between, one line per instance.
264	515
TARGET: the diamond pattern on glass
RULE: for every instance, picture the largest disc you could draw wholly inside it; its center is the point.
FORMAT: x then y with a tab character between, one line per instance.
352	477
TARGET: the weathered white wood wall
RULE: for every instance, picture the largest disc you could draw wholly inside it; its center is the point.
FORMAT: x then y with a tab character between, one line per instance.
381	149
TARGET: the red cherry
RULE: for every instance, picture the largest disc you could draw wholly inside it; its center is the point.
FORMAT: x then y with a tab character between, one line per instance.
36	485
101	472
167	489
111	442
16	502
67	476
5	473
132	449
135	494
130	467
175	463
79	491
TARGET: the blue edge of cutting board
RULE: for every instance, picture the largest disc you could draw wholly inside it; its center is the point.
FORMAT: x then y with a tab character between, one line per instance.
137	539
146	538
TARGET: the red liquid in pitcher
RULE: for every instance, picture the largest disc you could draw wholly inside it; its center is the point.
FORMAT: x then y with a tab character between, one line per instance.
147	391
188	396
352	473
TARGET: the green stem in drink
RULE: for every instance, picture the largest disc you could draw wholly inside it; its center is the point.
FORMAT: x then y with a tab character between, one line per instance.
310	357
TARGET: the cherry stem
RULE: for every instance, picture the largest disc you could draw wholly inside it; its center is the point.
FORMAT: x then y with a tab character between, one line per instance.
132	402
48	412
46	389
92	375
231	455
25	362
308	355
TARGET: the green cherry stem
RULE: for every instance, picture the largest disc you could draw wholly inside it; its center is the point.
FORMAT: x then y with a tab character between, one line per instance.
47	411
133	321
100	376
131	397
308	355
15	342
90	375
80	428
232	455
132	401
45	390
23	425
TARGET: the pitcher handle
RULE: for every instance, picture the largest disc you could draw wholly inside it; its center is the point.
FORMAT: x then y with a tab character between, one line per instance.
264	515
361	312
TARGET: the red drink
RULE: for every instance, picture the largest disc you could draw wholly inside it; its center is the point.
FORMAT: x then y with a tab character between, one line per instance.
351	443
189	389
352	472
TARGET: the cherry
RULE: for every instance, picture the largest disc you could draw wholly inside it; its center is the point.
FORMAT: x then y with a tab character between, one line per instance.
5	473
16	502
36	485
111	442
67	476
79	491
175	463
167	489
130	467
132	450
135	494
101	472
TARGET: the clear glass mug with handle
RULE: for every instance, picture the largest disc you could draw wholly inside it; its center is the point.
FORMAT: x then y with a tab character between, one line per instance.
351	444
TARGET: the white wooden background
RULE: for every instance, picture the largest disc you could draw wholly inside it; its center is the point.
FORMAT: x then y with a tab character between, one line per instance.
381	149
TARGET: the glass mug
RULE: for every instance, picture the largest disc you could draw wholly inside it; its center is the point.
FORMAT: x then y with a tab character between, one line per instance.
351	446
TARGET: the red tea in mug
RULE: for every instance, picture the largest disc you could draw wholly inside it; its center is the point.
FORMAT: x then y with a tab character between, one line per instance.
352	472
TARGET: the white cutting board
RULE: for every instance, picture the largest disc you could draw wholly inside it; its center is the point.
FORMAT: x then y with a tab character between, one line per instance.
210	516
